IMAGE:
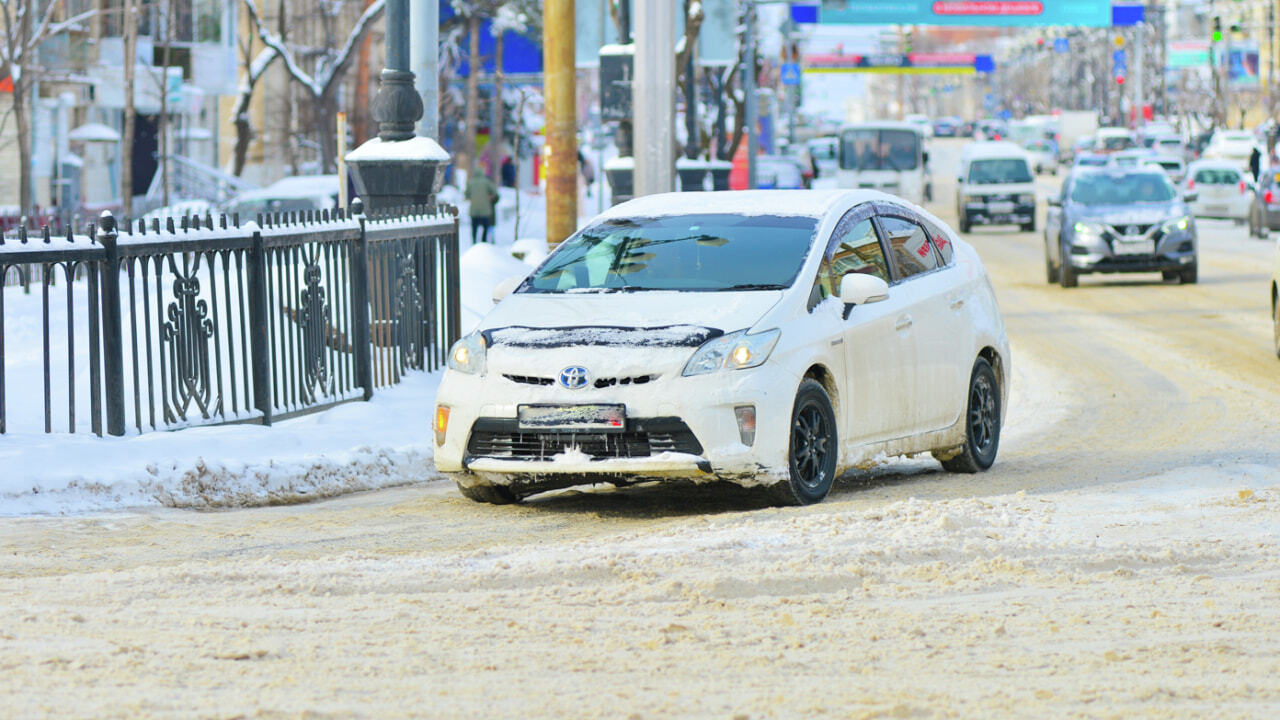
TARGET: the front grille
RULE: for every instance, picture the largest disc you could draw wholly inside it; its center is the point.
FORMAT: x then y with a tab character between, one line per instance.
1124	230
644	437
599	382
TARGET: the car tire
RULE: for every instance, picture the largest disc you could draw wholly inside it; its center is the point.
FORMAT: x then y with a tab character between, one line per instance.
1189	275
1275	322
1253	224
1169	275
981	422
1029	227
965	224
928	193
1067	275
492	494
1050	272
812	448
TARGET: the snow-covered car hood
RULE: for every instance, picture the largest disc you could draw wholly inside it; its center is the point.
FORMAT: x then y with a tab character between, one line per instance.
1129	214
723	311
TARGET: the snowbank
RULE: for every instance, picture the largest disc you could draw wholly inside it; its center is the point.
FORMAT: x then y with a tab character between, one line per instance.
355	446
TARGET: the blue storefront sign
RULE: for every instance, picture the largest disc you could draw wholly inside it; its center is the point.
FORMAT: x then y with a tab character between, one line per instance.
1004	13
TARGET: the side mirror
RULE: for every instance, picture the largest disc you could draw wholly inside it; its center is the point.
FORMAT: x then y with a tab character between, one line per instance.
1190	196
506	287
859	288
924	156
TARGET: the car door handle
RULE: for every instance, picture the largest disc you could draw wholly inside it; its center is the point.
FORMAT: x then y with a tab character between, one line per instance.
903	323
957	304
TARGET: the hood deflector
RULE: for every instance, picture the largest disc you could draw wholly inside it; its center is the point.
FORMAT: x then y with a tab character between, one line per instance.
601	336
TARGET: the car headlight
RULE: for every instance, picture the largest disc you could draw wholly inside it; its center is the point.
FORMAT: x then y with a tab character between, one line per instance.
1176	225
1027	199
735	351
1088	230
468	355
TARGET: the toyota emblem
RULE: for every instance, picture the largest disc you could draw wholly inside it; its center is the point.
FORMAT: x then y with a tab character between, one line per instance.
574	377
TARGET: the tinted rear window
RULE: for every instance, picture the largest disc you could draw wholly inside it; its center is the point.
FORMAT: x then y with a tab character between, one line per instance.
1217	176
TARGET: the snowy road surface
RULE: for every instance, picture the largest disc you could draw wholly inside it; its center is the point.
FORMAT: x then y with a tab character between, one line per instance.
1119	560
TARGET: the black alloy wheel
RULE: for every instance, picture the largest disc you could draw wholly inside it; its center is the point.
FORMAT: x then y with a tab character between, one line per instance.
813	448
981	423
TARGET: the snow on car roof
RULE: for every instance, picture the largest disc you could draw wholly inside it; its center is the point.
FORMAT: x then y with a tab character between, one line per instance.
803	203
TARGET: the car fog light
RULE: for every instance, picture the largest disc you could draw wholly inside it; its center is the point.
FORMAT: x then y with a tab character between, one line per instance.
442	423
746	415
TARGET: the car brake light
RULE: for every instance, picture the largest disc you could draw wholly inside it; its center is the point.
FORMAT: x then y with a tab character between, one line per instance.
1241	187
1267	197
1191	184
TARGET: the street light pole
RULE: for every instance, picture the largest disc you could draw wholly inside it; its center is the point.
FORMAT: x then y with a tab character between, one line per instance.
749	90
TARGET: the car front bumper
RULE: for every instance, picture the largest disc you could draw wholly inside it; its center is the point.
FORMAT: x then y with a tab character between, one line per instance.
1172	252
676	426
980	213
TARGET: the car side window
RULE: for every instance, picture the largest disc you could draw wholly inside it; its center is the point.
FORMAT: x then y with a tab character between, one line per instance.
941	242
909	244
858	250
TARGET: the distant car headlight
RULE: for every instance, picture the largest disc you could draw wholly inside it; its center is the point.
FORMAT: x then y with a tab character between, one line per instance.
735	351
468	355
1088	230
1176	225
1027	199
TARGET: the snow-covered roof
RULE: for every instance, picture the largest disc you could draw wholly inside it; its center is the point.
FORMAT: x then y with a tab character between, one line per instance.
884	125
94	132
803	203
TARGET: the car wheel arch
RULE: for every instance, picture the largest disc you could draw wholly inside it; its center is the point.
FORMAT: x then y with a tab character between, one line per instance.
992	356
822	375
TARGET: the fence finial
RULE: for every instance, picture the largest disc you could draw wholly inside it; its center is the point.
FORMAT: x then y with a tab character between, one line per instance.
357	206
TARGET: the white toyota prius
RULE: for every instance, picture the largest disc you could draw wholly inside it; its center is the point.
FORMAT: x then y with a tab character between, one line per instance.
767	338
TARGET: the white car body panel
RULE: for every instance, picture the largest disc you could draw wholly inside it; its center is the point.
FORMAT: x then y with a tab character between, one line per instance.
1223	200
894	391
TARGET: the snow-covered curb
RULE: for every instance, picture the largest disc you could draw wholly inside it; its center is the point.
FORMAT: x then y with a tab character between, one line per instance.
355	446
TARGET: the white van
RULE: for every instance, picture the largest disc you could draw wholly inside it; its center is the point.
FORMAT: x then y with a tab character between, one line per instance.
887	156
995	186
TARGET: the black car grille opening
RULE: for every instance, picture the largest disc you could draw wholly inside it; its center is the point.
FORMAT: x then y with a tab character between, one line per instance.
598	382
644	437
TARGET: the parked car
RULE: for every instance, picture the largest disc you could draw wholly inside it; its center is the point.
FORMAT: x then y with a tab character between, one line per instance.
1044	156
995	186
1110	220
1264	208
757	337
947	126
297	193
1222	190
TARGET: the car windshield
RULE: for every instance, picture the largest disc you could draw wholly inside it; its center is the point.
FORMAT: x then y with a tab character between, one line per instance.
872	149
1092	160
999	170
1117	142
695	252
1121	188
1217	176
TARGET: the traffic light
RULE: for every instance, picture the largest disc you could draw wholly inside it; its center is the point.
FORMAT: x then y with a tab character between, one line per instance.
1119	79
907	41
1217	28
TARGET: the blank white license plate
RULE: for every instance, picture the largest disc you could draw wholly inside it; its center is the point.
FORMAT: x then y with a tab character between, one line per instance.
572	418
1216	209
1141	247
1000	208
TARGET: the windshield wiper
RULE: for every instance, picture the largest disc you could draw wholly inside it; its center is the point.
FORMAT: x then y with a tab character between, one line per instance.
755	286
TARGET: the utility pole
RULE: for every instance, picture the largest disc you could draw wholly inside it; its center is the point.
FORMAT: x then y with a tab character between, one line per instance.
424	44
1139	90
902	79
655	98
749	91
561	119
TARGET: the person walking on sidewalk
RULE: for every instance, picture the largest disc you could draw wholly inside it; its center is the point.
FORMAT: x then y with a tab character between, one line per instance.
483	196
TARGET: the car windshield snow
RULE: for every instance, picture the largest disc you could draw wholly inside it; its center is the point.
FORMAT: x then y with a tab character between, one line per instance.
702	253
1001	170
1121	189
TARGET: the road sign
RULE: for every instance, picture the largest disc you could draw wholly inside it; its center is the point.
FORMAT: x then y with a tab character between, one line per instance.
790	73
804	13
1003	13
1062	45
1118	57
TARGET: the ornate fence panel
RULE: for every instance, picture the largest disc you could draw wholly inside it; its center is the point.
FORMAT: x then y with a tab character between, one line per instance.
206	322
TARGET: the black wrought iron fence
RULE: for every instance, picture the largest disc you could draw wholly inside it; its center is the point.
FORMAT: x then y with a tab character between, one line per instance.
149	327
